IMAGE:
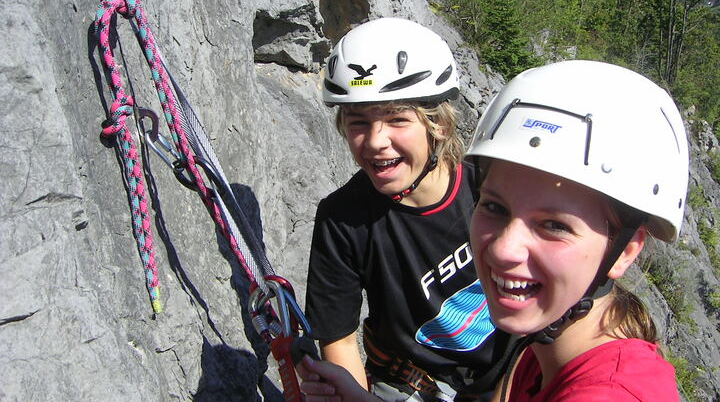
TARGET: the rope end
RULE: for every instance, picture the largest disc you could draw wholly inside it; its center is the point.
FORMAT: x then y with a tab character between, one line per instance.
157	306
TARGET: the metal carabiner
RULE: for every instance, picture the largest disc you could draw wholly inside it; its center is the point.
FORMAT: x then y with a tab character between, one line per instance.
153	136
287	320
280	331
293	316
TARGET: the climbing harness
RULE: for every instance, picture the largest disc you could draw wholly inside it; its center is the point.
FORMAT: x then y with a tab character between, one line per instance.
272	306
401	370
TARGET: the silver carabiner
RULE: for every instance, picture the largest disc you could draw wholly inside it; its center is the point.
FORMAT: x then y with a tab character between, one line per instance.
153	136
275	323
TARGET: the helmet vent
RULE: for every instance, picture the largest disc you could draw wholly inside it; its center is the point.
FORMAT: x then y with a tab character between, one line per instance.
444	76
401	61
405	81
334	88
677	143
332	63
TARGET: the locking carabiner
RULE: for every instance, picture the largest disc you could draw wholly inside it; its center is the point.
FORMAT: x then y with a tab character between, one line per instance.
281	330
287	320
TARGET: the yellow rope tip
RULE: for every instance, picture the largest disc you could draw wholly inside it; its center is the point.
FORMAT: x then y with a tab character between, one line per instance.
157	306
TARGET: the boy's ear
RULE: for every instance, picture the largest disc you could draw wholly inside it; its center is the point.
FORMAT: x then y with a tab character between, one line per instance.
629	254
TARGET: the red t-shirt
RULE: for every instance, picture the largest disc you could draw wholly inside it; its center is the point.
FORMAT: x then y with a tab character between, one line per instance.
618	371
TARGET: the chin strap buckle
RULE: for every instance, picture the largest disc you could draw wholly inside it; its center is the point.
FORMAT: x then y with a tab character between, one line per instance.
429	167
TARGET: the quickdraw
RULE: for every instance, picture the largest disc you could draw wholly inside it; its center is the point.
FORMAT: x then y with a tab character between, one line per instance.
272	306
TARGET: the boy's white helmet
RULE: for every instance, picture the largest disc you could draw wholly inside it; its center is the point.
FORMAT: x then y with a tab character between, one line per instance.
597	124
390	59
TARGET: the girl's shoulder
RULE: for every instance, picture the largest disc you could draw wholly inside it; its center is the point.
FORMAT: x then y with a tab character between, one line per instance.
627	369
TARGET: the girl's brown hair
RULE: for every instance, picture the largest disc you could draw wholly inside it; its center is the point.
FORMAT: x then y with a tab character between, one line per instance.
626	316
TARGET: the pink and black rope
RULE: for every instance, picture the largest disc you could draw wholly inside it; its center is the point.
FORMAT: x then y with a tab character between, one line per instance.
122	106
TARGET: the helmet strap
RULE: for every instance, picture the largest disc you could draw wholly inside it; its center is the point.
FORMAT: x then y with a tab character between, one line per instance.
429	166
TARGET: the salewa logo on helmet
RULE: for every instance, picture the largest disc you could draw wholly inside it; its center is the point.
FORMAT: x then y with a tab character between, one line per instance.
541	125
360	80
360	70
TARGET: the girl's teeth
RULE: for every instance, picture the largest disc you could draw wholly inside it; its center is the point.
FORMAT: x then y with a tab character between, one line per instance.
504	286
513	296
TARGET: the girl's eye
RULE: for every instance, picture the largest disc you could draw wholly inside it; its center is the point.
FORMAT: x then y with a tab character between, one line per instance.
493	208
555	226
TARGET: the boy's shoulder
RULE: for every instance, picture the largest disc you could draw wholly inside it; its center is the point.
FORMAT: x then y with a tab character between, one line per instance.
355	190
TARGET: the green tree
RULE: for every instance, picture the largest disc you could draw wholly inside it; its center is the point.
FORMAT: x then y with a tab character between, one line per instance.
674	42
493	28
698	75
675	18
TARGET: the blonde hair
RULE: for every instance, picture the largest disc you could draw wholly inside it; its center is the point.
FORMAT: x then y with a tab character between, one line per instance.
439	121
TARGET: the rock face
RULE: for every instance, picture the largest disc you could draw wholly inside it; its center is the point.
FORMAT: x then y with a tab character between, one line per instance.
75	320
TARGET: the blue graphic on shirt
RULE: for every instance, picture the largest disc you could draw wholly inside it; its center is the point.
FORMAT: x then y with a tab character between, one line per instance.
463	322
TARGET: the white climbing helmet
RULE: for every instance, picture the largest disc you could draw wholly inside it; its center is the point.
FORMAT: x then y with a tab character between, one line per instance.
600	125
390	59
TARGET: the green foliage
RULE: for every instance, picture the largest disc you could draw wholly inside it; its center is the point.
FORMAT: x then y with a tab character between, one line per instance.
670	282
708	235
698	78
711	239
714	300
713	165
696	198
493	28
674	42
685	377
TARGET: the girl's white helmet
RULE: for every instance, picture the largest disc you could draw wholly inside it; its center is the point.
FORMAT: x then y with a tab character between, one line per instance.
600	125
390	59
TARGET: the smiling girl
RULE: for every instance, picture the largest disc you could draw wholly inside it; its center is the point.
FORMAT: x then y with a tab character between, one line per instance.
580	161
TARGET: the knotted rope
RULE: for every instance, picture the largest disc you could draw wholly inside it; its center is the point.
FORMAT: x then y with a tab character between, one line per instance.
123	106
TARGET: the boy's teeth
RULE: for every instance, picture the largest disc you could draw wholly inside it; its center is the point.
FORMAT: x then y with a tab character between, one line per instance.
386	162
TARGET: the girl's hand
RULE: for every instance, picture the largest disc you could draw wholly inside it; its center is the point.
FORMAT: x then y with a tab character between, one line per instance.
327	382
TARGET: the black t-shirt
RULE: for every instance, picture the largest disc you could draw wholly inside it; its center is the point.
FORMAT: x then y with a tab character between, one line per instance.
425	302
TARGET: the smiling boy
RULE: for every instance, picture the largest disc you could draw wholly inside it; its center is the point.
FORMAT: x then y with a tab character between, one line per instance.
398	229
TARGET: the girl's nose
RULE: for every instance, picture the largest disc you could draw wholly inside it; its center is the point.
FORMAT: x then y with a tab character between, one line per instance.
510	246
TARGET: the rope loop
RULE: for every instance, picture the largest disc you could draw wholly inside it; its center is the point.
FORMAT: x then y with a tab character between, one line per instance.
115	125
128	9
122	106
119	111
